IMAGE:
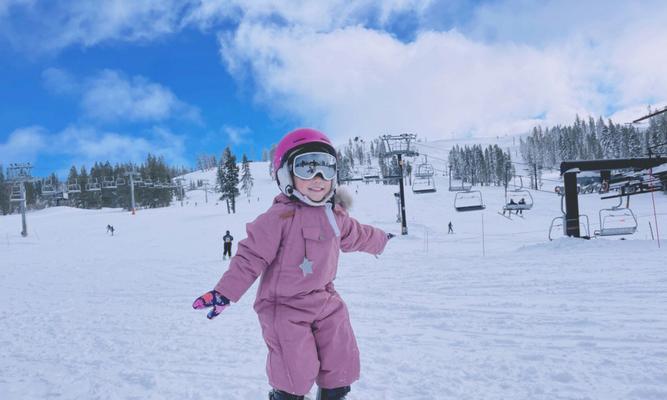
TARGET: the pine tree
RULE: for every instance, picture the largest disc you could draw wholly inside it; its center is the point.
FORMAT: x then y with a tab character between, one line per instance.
228	178
246	177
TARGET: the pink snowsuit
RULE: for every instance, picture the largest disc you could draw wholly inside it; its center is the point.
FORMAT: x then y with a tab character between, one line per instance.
304	321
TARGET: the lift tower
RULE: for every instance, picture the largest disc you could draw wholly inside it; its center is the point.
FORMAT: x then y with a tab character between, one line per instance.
399	146
18	174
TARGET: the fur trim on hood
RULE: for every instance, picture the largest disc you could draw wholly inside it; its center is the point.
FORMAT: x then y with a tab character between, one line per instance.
343	198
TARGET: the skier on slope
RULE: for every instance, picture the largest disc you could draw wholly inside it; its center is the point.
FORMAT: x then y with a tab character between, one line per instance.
227	245
295	247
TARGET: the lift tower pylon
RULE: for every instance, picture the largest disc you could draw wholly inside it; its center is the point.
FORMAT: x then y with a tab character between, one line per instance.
399	146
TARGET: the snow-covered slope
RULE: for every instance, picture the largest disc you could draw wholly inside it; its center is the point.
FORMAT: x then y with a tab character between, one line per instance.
507	314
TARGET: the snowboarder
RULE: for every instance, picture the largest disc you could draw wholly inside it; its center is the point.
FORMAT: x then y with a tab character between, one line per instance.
227	244
295	247
110	229
450	227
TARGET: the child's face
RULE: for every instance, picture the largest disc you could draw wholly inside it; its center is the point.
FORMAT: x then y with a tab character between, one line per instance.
315	189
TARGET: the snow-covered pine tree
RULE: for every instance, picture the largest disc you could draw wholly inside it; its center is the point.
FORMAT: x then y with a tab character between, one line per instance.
272	153
344	170
228	177
246	177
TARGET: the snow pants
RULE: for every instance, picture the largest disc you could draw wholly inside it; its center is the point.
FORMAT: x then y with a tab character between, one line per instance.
310	340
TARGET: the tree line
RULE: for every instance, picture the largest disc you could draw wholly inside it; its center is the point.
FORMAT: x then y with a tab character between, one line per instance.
480	166
106	185
591	140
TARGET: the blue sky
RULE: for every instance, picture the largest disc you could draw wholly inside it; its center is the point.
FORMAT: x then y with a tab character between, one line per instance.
91	81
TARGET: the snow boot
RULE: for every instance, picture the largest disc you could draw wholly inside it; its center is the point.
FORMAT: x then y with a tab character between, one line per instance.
280	395
333	394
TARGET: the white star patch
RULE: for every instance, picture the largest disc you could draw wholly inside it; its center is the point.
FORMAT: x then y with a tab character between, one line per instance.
306	266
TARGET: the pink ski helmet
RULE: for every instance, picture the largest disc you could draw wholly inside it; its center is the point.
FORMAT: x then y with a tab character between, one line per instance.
299	141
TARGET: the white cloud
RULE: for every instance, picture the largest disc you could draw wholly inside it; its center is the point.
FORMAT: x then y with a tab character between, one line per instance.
495	67
23	145
112	96
54	25
359	81
356	81
236	135
314	15
85	145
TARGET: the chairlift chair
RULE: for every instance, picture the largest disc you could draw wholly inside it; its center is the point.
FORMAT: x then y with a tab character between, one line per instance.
424	184
617	221
561	220
120	181
108	183
424	170
469	201
518	200
93	185
148	182
559	223
371	173
17	193
463	187
73	187
48	187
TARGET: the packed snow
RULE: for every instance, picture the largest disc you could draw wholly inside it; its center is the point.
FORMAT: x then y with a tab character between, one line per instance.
493	311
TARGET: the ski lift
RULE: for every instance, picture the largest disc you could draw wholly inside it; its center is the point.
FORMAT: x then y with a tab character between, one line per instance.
355	175
47	187
148	182
518	200
617	221
425	170
120	181
371	173
73	187
424	184
17	193
109	183
93	185
559	222
469	201
463	187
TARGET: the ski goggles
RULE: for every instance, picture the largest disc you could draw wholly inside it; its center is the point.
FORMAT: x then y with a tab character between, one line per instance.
307	165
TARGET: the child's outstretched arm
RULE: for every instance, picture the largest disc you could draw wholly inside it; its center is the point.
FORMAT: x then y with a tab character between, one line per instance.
253	255
355	236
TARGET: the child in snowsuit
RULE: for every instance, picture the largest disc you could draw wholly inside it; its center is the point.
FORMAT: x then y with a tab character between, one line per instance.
294	246
227	245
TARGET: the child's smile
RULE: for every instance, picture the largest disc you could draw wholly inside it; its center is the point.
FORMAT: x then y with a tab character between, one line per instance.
315	189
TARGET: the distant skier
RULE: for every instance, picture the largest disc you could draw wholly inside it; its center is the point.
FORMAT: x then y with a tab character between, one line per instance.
110	229
227	243
450	228
295	247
